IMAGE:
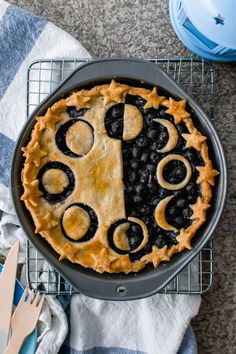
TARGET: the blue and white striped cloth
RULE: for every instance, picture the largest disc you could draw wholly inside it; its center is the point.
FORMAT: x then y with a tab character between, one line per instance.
155	325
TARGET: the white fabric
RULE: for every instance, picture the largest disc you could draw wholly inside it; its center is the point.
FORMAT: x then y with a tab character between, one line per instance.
155	325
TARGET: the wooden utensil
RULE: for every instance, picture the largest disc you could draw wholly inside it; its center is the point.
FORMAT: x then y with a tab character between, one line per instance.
7	286
24	320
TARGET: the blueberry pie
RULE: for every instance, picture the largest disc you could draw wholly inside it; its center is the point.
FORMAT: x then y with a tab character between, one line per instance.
116	177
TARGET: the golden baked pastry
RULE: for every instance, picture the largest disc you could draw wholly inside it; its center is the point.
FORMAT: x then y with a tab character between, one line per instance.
117	177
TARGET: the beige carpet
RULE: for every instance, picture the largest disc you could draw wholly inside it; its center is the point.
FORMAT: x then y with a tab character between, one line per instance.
141	28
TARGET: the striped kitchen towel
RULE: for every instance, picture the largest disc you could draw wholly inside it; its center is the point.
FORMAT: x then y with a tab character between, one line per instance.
155	325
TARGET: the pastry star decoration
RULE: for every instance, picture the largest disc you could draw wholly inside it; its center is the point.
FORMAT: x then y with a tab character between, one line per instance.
30	172
102	260
46	223
49	120
156	256
195	139
153	99
184	238
69	249
177	110
199	210
34	153
206	173
32	192
79	100
113	93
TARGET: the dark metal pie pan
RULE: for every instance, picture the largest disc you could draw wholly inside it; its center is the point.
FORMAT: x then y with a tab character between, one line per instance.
148	281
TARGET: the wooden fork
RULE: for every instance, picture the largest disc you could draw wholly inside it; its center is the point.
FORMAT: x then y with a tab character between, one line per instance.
24	320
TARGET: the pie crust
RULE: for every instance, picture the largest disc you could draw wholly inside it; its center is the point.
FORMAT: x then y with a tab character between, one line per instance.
75	196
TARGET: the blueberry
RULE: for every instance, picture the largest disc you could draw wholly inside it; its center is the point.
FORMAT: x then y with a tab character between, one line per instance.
92	213
171	239
161	113
137	151
173	180
153	133
125	153
163	137
144	210
178	193
179	172
181	203
74	113
145	219
116	127
190	155
142	141
191	198
144	157
134	228
153	189
155	201
187	212
160	241
150	116
154	157
191	188
147	248
177	211
151	113
133	213
134	241
154	229
156	145
134	164
162	192
144	176
116	111
180	129
132	177
137	199
179	221
149	120
140	101
172	211
144	111
181	143
129	189
151	168
140	189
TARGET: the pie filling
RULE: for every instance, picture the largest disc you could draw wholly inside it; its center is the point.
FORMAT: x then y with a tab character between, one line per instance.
117	177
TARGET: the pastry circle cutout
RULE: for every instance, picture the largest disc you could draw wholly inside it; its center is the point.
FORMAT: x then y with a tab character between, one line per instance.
79	222
75	138
76	222
79	138
160	167
173	135
56	181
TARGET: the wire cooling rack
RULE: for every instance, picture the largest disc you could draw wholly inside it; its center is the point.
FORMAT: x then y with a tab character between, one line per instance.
197	77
